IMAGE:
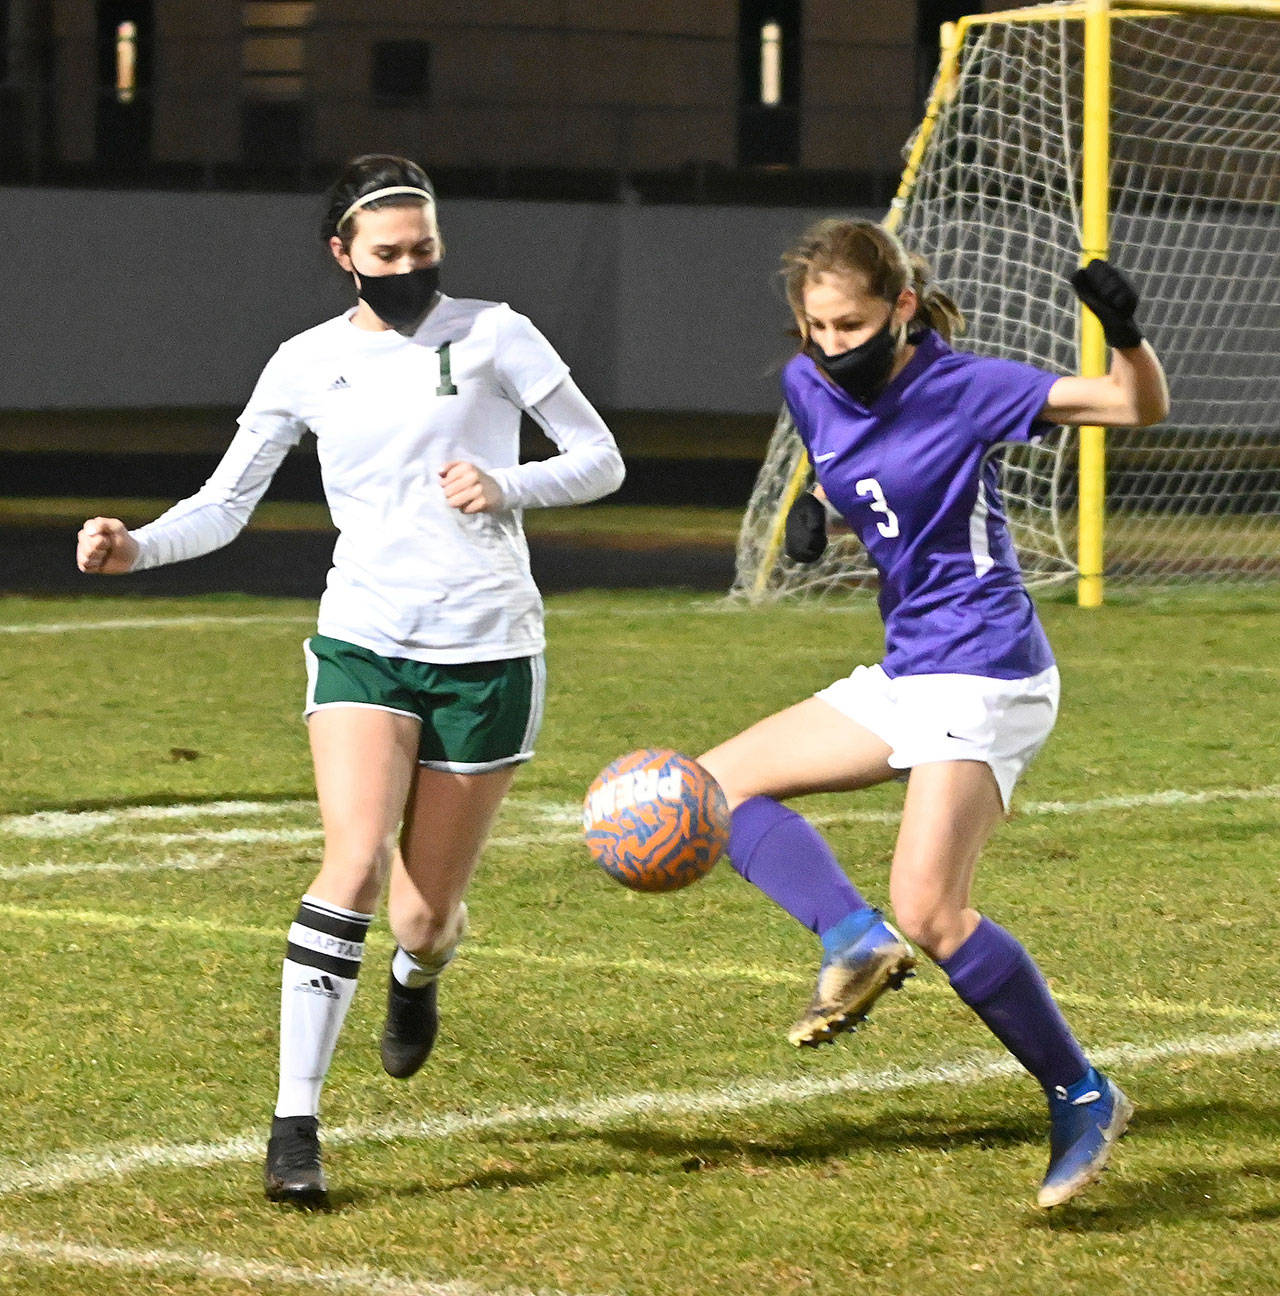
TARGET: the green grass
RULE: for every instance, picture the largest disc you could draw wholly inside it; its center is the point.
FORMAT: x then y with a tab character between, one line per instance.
143	954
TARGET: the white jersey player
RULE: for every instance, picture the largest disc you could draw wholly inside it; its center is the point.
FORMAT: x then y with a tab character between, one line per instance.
425	679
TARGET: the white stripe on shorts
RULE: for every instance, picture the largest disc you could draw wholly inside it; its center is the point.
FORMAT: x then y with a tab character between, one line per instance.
537	701
537	705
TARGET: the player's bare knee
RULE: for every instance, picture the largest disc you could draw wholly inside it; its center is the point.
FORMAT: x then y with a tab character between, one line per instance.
931	926
734	782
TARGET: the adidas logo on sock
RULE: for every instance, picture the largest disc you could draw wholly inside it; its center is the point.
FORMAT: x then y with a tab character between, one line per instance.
321	985
338	383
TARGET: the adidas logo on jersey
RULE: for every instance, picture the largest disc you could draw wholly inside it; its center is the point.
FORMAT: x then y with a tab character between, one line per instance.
338	383
321	985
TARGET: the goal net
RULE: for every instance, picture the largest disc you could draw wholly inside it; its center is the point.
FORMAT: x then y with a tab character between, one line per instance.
992	198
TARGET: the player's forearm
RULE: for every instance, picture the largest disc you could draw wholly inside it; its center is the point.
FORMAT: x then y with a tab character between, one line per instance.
1133	393
577	476
587	467
189	529
219	510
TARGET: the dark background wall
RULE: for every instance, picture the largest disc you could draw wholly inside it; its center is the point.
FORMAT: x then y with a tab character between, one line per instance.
140	299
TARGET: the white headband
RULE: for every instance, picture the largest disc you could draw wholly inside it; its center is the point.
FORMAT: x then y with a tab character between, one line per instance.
364	199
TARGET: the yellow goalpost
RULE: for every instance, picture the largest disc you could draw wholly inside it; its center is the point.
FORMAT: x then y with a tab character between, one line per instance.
1094	211
1227	126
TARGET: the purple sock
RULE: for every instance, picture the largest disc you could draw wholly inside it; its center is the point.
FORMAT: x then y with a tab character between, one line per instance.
997	978
781	853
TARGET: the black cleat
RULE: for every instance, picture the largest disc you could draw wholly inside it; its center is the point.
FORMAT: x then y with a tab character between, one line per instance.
293	1172
410	1028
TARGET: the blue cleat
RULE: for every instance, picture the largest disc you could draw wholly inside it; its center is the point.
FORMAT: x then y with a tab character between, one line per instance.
1085	1122
863	957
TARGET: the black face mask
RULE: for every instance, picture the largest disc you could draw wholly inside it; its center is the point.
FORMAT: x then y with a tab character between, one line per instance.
864	370
400	299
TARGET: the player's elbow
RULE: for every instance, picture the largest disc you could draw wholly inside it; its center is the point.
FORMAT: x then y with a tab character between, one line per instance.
600	474
1151	407
1144	386
1160	406
614	474
1138	406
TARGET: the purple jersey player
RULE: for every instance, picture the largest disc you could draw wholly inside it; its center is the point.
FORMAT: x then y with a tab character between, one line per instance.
899	429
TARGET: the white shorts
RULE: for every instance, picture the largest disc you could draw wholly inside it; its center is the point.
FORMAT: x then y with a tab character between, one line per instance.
927	718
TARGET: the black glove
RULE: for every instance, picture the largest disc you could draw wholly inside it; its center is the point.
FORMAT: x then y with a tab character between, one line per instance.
806	534
1112	298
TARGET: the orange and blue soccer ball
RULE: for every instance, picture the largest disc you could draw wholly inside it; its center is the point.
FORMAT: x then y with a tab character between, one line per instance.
655	820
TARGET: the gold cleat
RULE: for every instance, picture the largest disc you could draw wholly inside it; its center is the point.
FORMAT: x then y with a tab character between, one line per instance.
851	980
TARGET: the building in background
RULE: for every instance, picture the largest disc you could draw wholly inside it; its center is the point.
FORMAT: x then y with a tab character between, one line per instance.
759	100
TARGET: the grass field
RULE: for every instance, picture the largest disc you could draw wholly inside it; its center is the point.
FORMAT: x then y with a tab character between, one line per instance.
613	1107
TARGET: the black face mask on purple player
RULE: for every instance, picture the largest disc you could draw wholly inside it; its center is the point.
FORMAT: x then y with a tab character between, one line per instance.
400	299
863	370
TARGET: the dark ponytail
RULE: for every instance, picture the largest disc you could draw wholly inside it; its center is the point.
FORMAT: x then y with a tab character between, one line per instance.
365	175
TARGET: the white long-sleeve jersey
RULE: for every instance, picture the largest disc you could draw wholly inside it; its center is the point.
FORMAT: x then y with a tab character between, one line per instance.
411	577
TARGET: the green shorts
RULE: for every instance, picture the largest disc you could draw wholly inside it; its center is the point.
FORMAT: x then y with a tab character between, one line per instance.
475	716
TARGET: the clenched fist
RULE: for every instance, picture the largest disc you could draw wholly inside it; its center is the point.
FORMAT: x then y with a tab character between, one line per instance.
105	547
469	489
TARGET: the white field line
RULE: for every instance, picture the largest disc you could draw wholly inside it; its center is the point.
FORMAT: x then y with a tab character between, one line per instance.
236	837
709	606
185	863
83	823
276	836
1148	800
716	606
51	824
69	1169
1135	664
263	1274
153	623
201	621
250	837
733	973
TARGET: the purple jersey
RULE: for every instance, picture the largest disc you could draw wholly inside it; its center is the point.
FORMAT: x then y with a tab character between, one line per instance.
911	476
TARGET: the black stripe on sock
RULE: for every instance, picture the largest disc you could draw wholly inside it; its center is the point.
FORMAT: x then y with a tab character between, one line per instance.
349	968
351	929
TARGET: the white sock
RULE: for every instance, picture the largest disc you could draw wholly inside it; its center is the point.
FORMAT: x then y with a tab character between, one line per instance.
326	945
415	972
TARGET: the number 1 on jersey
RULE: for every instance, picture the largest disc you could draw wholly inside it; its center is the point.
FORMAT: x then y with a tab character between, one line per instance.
869	486
447	386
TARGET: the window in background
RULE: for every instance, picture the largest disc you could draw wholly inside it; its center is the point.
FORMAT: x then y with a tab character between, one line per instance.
769	83
273	48
273	63
124	34
771	64
126	62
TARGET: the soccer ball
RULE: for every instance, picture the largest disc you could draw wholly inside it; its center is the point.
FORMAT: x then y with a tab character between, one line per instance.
655	820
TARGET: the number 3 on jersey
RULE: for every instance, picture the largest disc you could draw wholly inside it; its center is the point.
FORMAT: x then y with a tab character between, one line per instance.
869	486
